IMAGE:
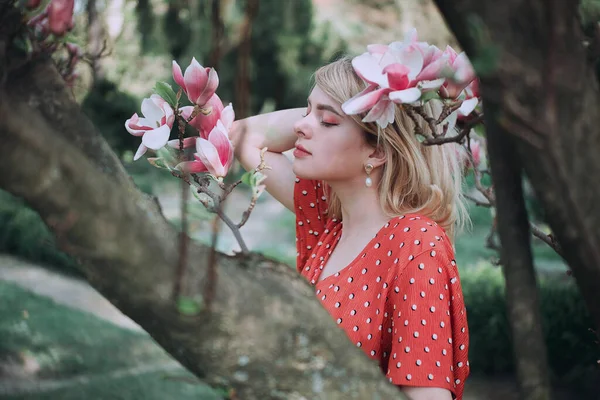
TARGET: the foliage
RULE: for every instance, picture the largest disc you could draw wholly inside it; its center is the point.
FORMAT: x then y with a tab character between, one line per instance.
23	233
107	107
573	349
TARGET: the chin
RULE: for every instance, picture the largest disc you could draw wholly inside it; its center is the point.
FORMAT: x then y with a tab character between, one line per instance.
305	171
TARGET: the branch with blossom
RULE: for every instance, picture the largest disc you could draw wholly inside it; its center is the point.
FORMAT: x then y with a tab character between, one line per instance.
211	122
49	23
411	73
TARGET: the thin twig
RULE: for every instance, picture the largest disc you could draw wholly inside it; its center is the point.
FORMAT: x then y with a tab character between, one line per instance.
234	229
548	239
477	202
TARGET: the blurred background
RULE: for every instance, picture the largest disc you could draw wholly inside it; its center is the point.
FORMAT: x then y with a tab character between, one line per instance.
60	340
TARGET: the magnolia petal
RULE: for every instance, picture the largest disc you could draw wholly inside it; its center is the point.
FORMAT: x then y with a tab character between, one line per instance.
377	50
411	36
205	123
159	101
433	70
450	120
451	90
388	115
405	96
430	53
367	67
218	137
435	84
397	76
382	113
191	167
363	101
140	152
186	112
464	70
209	88
187	142
195	78
178	76
468	106
152	111
156	138
451	54
411	57
208	154
134	126
228	116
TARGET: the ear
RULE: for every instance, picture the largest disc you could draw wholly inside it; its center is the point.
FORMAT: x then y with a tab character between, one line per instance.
376	157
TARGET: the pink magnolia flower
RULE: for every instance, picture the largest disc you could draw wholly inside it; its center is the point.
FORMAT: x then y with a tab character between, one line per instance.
198	83
226	116
215	154
155	127
397	73
461	71
391	78
204	123
60	16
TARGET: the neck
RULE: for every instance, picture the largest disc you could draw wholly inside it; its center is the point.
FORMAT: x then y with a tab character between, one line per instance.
361	208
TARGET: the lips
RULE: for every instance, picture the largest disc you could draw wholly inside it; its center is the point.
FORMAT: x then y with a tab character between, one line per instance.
301	148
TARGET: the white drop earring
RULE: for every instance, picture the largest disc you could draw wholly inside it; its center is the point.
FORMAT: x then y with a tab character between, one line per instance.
368	181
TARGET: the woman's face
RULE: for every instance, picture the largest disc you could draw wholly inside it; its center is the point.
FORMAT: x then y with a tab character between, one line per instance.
330	145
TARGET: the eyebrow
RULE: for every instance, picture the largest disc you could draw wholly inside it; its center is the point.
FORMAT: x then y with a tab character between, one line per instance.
326	107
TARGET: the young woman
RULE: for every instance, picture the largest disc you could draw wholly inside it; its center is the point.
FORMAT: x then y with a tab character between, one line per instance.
375	216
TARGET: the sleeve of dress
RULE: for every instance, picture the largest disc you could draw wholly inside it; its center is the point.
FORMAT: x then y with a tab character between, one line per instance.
310	207
429	332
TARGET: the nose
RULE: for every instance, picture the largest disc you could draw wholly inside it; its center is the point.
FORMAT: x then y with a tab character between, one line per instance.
302	128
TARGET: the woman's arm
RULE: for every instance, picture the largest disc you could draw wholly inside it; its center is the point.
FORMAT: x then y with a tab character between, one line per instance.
427	393
275	131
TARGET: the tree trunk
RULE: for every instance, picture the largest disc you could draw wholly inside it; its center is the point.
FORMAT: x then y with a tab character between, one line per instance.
217	32
517	265
546	95
541	99
242	83
267	336
96	37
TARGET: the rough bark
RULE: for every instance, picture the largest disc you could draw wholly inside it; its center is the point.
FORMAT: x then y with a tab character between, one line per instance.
544	93
267	336
522	297
541	99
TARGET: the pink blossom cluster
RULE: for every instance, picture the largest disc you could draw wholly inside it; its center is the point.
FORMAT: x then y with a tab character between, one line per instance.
402	72
210	118
56	18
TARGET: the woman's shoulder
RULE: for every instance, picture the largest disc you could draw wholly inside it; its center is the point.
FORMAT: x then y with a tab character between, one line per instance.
418	227
406	238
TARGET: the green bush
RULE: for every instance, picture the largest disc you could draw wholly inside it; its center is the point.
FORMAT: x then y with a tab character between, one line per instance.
573	350
108	108
24	234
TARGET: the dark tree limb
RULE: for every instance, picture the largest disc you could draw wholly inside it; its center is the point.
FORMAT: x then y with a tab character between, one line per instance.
546	92
543	95
522	296
266	336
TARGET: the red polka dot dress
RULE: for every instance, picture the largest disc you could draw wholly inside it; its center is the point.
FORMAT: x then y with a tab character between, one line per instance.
399	300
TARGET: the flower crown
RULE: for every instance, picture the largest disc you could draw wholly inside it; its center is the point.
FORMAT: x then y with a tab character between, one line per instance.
411	73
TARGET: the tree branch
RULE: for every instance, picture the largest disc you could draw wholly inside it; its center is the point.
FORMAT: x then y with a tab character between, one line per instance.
127	251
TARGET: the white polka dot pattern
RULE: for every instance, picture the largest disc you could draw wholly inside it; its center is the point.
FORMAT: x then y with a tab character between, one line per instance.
393	299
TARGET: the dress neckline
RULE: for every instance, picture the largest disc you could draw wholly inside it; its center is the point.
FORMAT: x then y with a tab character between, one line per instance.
359	256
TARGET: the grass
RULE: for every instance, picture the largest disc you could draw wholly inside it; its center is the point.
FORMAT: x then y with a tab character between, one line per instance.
68	343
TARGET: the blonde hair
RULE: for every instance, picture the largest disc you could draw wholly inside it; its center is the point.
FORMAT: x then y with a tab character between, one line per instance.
415	178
